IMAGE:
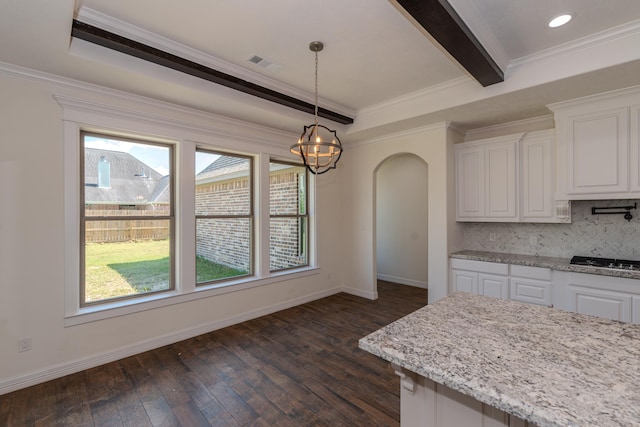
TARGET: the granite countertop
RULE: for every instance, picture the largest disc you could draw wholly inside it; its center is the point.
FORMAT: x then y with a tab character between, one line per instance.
545	262
546	366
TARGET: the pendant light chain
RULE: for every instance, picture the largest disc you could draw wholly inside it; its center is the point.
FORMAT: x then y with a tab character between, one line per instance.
316	106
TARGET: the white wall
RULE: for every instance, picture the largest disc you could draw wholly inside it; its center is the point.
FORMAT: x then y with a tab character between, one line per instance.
434	145
401	220
32	251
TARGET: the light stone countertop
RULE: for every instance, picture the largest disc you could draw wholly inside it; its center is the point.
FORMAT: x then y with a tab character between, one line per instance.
544	262
544	365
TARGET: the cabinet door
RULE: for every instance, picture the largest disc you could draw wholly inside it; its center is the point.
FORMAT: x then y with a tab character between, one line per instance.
470	182
530	290
635	310
466	281
501	180
598	146
602	303
493	286
537	196
634	149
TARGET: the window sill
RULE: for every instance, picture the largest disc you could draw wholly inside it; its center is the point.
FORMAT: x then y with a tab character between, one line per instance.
123	308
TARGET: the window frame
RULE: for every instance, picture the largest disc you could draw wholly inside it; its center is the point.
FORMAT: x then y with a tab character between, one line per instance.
84	218
306	215
251	216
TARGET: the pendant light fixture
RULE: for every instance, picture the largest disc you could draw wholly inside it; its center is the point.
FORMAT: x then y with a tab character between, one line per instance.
319	147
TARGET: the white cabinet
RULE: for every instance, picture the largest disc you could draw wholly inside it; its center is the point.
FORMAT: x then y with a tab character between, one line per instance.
597	146
537	172
493	286
465	281
611	297
477	277
486	180
634	150
601	303
508	179
530	284
614	298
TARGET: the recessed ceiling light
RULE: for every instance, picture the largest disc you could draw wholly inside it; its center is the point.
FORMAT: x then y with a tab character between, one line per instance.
559	21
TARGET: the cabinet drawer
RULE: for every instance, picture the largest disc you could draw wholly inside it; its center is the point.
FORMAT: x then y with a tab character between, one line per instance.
530	290
538	273
480	266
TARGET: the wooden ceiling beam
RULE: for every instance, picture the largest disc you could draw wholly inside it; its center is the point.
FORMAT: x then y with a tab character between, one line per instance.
121	44
442	22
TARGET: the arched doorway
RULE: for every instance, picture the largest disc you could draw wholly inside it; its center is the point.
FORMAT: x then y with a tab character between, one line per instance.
401	226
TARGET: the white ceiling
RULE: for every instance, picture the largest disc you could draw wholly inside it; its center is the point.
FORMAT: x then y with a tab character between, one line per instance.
377	66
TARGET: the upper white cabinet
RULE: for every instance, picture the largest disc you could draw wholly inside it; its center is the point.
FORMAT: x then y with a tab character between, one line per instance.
537	172
597	146
508	179
634	149
486	179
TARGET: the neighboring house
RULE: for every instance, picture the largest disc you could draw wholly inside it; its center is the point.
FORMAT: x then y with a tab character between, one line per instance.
118	184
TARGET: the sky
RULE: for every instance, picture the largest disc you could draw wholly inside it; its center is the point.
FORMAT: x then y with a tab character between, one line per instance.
154	156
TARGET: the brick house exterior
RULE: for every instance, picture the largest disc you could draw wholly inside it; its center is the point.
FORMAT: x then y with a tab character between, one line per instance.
223	189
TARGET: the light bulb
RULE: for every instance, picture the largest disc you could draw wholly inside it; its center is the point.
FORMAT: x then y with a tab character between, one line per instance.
559	21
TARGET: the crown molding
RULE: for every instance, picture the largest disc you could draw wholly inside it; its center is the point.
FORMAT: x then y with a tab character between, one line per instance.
147	109
431	91
400	134
630	29
538	123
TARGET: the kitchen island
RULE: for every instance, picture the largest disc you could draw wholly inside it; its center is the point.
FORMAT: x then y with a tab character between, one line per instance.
475	360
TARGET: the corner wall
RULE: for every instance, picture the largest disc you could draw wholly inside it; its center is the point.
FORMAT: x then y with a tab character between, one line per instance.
434	145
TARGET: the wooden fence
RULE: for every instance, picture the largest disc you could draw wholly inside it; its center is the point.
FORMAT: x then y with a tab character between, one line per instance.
125	230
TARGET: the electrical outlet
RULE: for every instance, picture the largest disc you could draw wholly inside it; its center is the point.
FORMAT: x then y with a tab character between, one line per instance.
492	237
24	344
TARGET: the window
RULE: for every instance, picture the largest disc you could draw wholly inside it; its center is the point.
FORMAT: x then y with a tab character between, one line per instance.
126	219
224	216
289	218
142	178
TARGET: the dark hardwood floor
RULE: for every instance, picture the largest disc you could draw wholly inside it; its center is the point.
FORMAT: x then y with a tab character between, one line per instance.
297	367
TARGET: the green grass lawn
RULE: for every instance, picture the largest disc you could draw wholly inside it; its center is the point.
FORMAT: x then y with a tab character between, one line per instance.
129	268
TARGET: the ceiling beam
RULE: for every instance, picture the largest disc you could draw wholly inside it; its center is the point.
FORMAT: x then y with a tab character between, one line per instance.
121	44
442	22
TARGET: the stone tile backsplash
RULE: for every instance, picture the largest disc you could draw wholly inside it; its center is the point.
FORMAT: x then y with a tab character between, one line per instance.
609	236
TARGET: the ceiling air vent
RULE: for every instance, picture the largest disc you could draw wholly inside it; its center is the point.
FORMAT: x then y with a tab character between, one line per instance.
263	62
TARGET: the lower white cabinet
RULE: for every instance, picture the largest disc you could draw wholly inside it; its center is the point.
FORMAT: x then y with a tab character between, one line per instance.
478	277
465	281
493	286
600	302
530	284
611	297
521	283
596	295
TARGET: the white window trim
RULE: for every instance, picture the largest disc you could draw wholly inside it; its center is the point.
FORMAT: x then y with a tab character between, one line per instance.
167	123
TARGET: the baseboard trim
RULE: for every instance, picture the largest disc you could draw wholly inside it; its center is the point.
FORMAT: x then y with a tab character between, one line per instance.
361	293
60	370
403	281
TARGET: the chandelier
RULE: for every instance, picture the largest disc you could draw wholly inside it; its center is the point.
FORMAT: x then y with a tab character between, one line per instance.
319	147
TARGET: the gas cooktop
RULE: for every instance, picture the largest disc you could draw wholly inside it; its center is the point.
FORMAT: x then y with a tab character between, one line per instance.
620	264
